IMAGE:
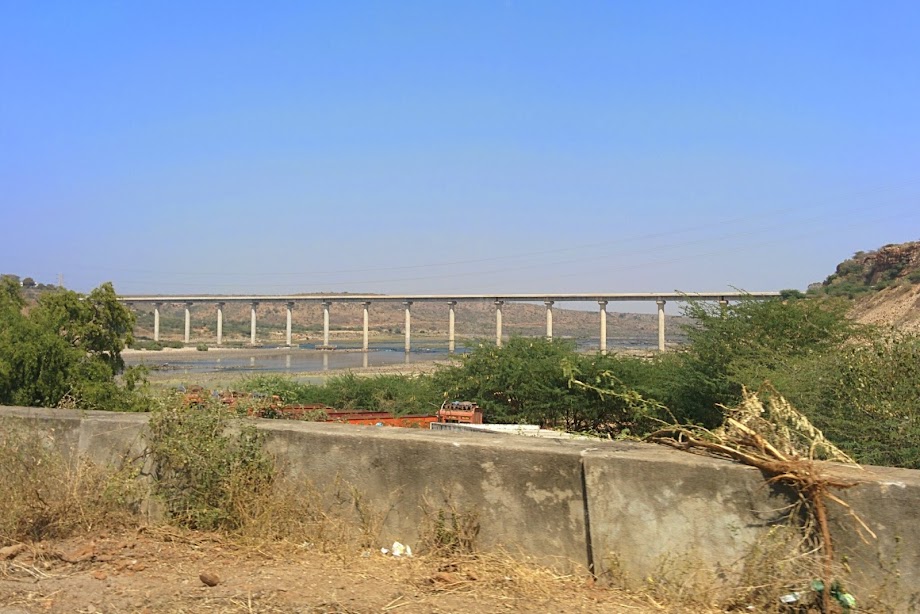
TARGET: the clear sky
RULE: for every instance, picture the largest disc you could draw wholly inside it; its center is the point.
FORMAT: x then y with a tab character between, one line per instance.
492	146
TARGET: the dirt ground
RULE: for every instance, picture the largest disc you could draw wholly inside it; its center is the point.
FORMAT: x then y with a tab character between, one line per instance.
158	570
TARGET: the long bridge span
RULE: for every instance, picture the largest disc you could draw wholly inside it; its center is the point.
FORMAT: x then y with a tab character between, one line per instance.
326	300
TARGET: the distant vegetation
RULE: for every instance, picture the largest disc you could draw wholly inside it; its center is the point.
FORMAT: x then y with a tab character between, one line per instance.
859	384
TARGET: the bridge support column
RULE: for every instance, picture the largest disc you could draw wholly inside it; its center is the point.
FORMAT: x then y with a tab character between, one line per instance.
365	344
549	319
188	321
156	321
220	323
252	323
603	306
660	302
290	308
451	339
723	303
326	305
498	323
408	329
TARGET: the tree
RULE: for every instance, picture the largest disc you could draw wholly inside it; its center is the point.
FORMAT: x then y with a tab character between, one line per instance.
548	382
67	346
28	282
744	344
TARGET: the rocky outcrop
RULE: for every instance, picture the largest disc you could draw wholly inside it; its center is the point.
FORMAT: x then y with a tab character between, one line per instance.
885	286
890	262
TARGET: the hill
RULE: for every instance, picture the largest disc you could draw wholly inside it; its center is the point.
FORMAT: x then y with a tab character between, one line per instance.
884	285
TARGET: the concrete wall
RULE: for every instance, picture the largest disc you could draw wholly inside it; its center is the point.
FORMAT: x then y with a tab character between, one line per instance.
624	509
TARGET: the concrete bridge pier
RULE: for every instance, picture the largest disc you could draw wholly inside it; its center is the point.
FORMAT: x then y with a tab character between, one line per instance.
252	323
498	323
364	343
660	302
451	345
603	306
156	321
408	305
549	319
290	308
326	305
188	321
220	323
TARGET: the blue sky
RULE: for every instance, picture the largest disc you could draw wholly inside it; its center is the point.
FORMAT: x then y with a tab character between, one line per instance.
229	147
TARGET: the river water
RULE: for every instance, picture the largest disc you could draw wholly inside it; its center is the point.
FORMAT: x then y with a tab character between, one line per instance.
306	358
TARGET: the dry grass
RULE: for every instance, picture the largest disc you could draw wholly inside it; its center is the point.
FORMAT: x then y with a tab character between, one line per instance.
447	530
43	495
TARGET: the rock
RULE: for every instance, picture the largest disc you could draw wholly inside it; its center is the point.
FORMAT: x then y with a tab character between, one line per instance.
208	578
443	578
11	552
84	553
100	575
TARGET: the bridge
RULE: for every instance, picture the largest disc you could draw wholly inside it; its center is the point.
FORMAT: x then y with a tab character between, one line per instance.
602	299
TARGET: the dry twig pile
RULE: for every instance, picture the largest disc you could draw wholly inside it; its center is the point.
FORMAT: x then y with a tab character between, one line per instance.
787	448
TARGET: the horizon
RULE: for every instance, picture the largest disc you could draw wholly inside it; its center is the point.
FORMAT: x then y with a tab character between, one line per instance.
491	148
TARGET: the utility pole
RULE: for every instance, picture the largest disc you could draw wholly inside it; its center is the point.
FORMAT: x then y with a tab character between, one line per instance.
60	280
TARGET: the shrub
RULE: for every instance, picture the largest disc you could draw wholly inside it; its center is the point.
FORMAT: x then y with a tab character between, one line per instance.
547	382
745	343
393	393
208	471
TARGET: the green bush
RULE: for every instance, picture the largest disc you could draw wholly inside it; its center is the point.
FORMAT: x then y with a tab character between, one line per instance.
858	384
393	393
208	471
66	350
744	343
864	395
145	344
547	382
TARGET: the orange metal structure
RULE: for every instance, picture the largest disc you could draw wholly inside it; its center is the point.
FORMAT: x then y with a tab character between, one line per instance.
461	412
383	418
272	407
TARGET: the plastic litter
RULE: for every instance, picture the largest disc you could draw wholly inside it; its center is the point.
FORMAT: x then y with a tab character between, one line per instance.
399	549
790	598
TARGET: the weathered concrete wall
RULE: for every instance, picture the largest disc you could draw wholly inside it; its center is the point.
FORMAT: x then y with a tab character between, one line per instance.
100	436
621	508
647	505
528	497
